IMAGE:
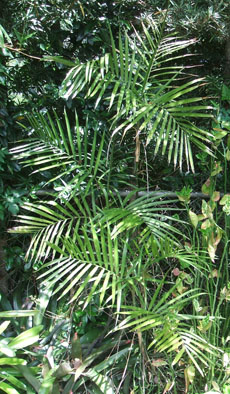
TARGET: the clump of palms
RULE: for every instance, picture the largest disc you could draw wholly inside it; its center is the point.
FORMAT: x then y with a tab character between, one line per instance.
93	243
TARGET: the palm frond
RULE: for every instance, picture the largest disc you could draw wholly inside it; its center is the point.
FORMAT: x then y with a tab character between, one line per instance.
94	264
169	326
141	85
59	148
165	250
144	215
48	222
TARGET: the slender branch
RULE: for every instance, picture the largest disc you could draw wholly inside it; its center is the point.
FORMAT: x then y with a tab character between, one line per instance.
124	193
163	193
22	53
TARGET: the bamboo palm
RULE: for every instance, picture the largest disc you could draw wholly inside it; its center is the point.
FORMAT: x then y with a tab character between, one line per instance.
97	246
145	91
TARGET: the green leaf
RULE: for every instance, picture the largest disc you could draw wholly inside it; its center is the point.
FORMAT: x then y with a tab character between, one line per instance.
217	169
194	218
207	187
44	296
226	389
26	338
63	369
8	389
18	313
184	194
225	199
13	380
12	361
4	34
6	350
225	94
103	382
189	373
4	326
13	208
28	375
47	384
178	356
59	59
227	154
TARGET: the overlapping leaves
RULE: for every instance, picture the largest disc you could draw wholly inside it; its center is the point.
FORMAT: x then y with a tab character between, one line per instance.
170	327
53	146
89	253
145	91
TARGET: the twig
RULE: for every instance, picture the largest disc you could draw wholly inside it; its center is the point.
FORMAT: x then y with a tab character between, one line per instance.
21	52
126	366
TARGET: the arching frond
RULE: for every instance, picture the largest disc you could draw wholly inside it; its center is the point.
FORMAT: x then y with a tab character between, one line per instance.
144	214
142	85
170	327
94	265
67	152
49	222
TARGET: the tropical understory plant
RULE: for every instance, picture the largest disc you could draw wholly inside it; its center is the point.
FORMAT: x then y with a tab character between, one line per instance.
146	89
129	256
99	247
15	374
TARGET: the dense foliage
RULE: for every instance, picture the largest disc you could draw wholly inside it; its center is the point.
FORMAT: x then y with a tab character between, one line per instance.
114	164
